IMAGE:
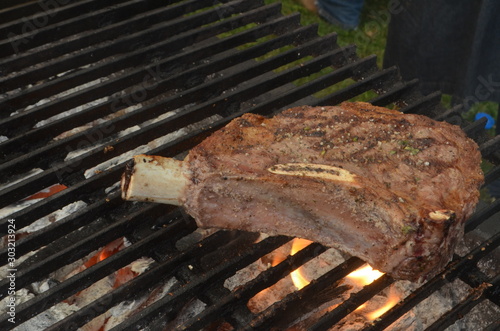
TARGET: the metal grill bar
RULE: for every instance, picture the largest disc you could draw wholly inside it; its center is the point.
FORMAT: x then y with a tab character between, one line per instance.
261	282
76	18
92	274
466	305
13	9
162	84
114	27
201	59
65	253
64	226
222	271
457	266
156	130
142	282
115	65
283	312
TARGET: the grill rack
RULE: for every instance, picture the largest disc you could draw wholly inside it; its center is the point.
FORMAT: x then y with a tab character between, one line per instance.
178	51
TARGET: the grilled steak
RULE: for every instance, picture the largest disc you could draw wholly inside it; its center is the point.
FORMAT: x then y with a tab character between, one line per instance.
390	188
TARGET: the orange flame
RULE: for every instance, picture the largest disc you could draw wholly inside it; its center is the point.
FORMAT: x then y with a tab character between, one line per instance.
392	300
298	279
365	276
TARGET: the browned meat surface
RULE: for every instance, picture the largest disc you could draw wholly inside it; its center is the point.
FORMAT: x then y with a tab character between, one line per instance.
392	189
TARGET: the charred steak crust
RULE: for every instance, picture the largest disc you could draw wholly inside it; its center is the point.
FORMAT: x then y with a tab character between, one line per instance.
390	188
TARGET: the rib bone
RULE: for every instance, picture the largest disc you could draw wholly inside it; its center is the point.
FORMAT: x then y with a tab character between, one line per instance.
155	179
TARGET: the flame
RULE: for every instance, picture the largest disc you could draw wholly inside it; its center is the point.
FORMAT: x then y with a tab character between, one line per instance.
365	275
392	300
361	307
298	279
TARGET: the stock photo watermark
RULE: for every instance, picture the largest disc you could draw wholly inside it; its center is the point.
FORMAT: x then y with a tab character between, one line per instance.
11	270
31	24
485	88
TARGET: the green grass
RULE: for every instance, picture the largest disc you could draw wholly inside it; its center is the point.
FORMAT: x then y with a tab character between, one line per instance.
370	36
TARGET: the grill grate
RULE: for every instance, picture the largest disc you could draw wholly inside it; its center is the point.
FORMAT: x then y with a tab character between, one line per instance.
158	77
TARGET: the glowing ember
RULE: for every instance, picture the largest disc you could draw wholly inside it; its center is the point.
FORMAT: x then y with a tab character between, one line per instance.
108	250
365	275
297	277
47	192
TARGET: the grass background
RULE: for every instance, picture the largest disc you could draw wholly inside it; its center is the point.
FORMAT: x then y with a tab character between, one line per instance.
370	38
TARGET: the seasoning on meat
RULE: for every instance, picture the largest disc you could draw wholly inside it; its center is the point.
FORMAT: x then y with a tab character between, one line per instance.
393	189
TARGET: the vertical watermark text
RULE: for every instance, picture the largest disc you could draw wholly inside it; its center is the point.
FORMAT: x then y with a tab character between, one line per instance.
11	270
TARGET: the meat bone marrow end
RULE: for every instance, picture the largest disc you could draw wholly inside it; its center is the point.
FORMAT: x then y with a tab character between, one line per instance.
392	189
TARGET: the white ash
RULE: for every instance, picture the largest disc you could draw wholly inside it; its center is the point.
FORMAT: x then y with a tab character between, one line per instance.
141	265
189	311
267	297
117	314
104	286
71	269
48	317
54	216
19	260
68	112
481	316
43	286
151	145
93	292
98	144
488	264
88	295
18	90
96	122
313	269
107	142
62	95
325	262
37	225
253	270
121	312
22	295
126	242
357	321
244	275
15	207
422	316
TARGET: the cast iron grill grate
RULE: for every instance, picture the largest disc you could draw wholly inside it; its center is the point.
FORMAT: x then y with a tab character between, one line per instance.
86	82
